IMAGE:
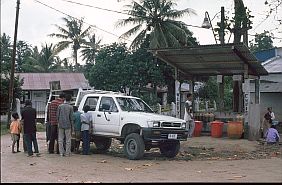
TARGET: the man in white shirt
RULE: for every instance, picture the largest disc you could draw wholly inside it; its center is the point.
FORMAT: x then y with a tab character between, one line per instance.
188	115
86	128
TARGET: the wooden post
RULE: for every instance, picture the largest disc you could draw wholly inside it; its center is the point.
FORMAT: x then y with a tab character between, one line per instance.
177	94
221	85
11	85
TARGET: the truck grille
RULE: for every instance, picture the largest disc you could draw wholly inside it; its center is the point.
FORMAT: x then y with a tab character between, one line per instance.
171	124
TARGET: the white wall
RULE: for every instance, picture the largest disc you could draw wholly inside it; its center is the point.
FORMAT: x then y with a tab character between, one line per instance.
273	100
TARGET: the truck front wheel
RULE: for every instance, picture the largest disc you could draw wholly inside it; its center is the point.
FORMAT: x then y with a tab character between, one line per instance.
170	149
134	146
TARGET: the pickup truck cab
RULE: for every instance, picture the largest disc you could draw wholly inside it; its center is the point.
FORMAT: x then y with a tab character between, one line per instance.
130	120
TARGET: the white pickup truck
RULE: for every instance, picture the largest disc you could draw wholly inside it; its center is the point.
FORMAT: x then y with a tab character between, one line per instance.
130	120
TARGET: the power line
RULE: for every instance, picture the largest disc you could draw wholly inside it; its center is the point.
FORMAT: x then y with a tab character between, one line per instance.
81	4
80	20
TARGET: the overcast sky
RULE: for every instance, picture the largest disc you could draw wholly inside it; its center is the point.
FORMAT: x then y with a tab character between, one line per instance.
36	21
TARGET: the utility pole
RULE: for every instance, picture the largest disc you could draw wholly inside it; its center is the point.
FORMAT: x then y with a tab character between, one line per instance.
11	85
221	84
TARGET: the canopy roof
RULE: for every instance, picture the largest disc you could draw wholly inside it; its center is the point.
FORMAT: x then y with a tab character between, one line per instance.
210	60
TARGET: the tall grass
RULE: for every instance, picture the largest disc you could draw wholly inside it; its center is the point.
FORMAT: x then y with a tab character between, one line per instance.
4	129
39	126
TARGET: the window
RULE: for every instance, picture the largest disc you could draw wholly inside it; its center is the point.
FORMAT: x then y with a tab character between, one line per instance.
110	102
92	102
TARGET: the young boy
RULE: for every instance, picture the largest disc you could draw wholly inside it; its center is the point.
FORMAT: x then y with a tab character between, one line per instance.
15	129
76	128
188	115
272	135
86	125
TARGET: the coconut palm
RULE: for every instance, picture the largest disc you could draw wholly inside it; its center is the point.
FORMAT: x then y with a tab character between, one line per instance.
90	49
44	61
72	35
157	17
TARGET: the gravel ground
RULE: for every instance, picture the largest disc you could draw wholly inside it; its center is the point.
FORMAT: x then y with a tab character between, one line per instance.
201	159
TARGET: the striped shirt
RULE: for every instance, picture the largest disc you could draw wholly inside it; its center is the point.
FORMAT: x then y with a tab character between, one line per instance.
52	110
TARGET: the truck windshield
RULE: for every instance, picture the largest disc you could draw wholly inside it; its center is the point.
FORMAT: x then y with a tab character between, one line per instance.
133	104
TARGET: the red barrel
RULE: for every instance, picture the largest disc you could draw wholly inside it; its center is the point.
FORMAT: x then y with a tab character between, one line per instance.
234	129
198	128
216	128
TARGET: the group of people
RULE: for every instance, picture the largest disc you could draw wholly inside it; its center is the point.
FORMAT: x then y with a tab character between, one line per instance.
28	125
65	121
270	132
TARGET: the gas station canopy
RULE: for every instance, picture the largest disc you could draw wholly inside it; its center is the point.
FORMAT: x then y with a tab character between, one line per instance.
211	60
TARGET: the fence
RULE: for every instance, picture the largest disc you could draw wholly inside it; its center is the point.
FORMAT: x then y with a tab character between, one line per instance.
40	108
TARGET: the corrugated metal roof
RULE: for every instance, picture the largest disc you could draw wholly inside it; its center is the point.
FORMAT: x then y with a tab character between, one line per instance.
208	60
273	65
40	81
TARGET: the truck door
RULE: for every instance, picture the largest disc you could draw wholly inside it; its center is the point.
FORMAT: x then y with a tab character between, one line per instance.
91	101
107	118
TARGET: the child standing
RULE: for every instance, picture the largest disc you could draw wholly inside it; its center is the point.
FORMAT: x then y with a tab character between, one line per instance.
86	125
15	129
76	128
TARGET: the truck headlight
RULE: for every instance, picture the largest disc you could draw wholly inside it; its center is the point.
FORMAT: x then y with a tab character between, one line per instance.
153	123
183	125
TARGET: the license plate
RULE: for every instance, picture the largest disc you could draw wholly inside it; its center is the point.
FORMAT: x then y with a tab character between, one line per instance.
172	136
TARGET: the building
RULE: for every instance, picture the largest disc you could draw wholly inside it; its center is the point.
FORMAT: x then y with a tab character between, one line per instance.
36	87
271	85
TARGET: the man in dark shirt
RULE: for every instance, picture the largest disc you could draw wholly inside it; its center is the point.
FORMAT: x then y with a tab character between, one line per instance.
29	124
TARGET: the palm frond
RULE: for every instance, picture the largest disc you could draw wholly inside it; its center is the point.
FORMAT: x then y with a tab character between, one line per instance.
131	31
174	14
138	40
58	35
62	45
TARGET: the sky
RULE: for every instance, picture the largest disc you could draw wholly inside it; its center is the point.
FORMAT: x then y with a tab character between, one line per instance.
36	21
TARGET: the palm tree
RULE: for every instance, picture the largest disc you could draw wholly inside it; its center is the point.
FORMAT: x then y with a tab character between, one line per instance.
44	61
72	35
90	49
157	17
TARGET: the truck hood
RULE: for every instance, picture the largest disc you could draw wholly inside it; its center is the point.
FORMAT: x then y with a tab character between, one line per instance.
153	117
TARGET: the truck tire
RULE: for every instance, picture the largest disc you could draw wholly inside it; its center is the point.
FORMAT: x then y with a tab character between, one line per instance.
170	148
134	146
102	143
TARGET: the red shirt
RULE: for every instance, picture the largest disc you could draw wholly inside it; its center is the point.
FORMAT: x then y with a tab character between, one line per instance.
52	110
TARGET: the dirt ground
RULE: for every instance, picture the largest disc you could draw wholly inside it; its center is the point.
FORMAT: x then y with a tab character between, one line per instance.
201	159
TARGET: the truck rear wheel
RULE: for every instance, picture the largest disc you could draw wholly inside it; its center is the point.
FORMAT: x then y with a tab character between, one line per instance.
134	146
102	143
170	148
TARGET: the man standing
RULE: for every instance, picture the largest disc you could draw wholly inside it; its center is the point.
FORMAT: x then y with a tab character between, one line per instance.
188	115
65	122
52	114
29	126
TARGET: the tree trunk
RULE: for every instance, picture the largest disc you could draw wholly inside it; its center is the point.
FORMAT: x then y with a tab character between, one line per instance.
75	59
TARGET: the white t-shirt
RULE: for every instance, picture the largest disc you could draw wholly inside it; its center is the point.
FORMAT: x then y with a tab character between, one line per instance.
85	117
272	115
188	104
